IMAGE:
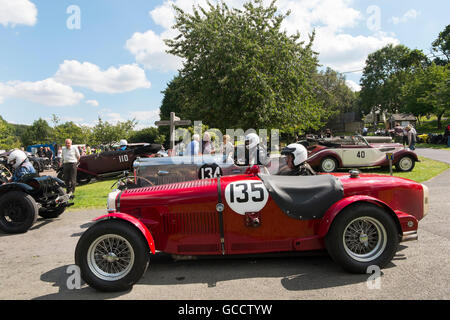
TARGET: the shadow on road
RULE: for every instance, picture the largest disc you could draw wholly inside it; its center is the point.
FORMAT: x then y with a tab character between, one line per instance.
297	273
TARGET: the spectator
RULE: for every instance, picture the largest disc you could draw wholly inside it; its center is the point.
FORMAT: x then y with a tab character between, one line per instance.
227	148
70	158
193	147
411	136
40	152
207	147
364	131
49	153
328	133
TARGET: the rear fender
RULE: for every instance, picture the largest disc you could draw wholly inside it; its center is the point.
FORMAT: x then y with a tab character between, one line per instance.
135	222
337	208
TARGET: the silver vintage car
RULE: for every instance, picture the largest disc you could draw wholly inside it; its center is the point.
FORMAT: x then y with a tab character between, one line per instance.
165	170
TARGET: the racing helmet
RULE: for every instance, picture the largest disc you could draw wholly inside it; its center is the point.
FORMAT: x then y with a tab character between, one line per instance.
16	158
251	140
123	142
298	151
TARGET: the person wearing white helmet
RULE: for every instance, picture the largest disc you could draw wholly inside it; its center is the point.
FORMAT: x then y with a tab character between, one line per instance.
123	144
255	154
296	160
22	166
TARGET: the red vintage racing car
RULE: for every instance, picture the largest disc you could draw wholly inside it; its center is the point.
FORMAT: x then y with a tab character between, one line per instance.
328	155
358	219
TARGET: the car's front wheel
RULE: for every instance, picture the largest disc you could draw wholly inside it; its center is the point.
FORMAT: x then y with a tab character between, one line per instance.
112	255
405	164
362	235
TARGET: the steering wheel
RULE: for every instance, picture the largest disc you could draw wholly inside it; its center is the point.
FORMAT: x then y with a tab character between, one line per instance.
4	172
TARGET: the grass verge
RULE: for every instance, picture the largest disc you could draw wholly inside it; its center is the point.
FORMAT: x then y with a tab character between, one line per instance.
94	195
432	146
423	171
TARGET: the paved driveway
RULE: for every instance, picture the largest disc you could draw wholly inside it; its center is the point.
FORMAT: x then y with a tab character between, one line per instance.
435	154
34	266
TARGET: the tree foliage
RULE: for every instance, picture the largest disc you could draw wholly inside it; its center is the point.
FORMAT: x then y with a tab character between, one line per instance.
441	47
241	70
385	73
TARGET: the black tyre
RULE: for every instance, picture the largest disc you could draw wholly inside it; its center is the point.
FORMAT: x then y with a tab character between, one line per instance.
405	164
83	178
361	236
328	164
18	212
52	213
112	255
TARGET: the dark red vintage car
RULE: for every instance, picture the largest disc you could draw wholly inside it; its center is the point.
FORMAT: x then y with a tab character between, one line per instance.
328	155
111	163
358	219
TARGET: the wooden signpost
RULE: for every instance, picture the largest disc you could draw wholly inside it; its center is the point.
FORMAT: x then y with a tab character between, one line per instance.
173	122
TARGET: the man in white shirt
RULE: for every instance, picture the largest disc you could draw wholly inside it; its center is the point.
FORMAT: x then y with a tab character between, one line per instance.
70	158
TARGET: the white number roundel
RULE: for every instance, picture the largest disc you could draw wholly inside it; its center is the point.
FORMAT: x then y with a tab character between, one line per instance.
246	196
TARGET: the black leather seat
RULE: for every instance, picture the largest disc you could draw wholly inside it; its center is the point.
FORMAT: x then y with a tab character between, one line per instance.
304	197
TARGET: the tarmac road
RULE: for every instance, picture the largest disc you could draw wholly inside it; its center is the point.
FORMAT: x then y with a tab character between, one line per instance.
34	266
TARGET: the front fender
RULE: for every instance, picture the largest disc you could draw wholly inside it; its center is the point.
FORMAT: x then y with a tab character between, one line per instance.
335	209
138	224
15	186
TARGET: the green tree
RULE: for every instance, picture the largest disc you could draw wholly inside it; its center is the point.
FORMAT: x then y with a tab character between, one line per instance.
39	132
386	71
242	70
106	133
334	93
149	135
428	92
7	138
441	47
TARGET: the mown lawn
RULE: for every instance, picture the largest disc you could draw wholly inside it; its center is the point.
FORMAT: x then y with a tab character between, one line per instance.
432	146
423	171
94	195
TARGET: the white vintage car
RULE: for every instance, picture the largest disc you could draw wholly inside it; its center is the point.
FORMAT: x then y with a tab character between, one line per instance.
328	155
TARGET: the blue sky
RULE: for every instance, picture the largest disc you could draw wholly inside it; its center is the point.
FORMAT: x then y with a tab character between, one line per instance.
115	65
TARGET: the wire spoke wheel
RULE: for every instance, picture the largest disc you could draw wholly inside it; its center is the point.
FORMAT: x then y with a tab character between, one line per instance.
364	239
110	257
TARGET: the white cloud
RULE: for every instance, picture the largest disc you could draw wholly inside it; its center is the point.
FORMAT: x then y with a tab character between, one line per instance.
14	12
113	80
93	103
46	92
149	50
353	85
410	14
331	19
145	118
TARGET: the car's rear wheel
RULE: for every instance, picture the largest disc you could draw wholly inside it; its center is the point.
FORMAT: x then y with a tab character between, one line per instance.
405	164
362	235
112	255
328	164
18	212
